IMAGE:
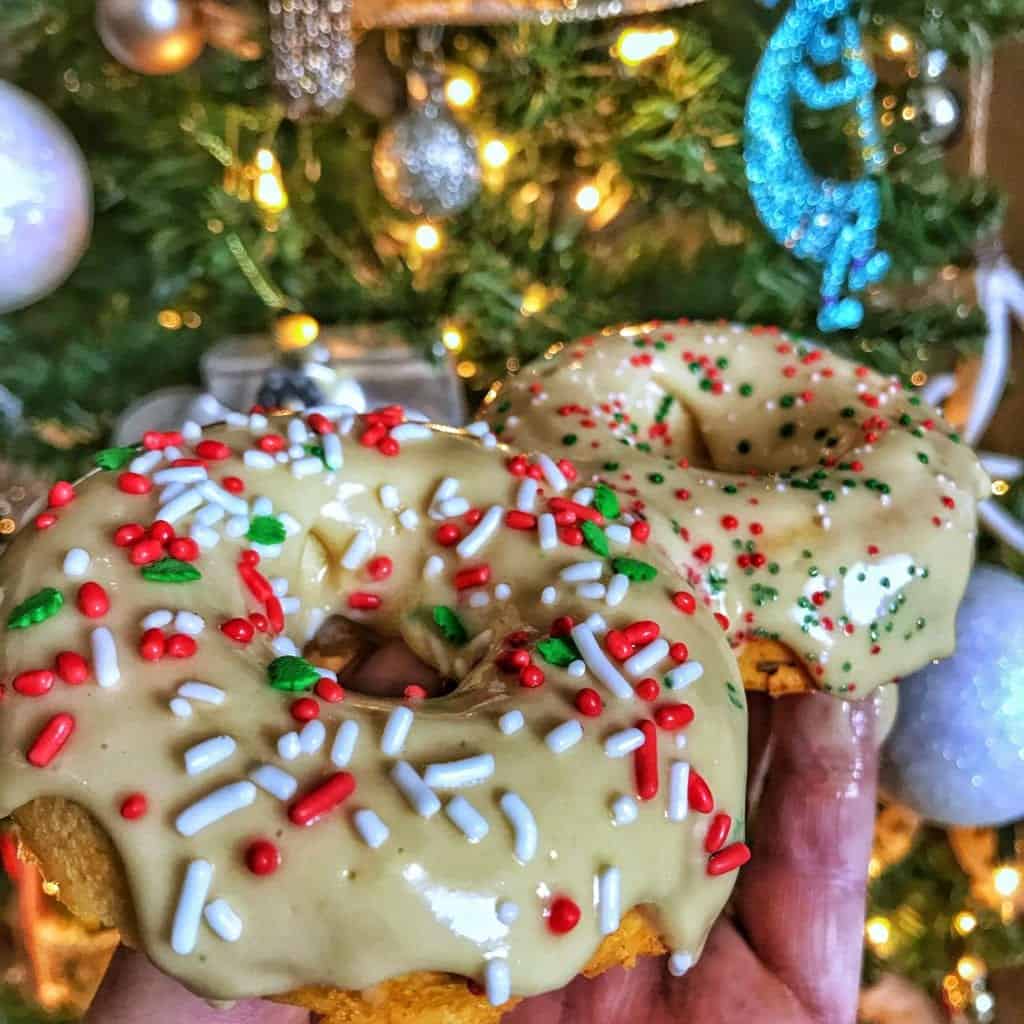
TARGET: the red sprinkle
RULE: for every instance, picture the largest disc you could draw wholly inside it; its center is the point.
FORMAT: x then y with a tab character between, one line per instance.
333	791
647	689
679	652
722	620
380	568
125	536
256	582
414	692
239	630
473	576
259	621
563	915
146	551
698	793
134	483
517	520
362	600
718	832
45	520
153	645
562	626
275	613
580	511
684	601
645	762
388	446
319	423
330	691
270	443
571	535
642	632
305	709
448	534
161	531
531	676
513	661
181	645
34	683
92	600
671	717
729	859
473	516
61	493
183	548
262	857
134	806
72	668
373	435
233	484
51	739
588	702
618	645
640	530
214	450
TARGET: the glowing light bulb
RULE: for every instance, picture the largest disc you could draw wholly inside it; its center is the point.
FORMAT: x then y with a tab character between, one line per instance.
451	338
496	153
466	369
535	298
1005	879
588	198
898	42
169	319
878	930
965	922
295	331
268	191
636	45
427	237
460	91
999	488
970	967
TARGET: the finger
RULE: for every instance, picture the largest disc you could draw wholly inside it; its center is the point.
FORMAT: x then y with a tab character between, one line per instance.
801	899
388	670
135	992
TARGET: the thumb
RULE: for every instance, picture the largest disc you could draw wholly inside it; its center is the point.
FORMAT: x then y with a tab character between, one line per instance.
135	992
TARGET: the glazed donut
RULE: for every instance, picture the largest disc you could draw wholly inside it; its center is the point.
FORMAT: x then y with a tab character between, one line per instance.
823	512
180	770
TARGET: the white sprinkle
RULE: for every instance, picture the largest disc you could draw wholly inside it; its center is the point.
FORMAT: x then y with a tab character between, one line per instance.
194	690
423	800
344	743
511	722
618	587
552	473
290	605
326	673
306	467
609	900
548	595
502	591
291	525
297	432
524	826
209	515
618	534
446	489
218	804
679	963
358	551
507	912
497	981
411	432
223	920
396	730
275	781
170	493
477	429
547	531
591	591
146	462
180	506
333	455
468	771
237	526
262	506
205	755
373	831
258	422
564	736
467	819
191	431
577	669
189	623
235	419
584	496
255	459
232	503
596	624
409	519
389	497
282	646
526	496
624	810
683	675
433	566
77	562
180	707
180	475
281	457
479	599
312	736
678	784
295	452
104	657
279	585
581	572
474	541
204	536
598	663
157	619
288	746
185	927
619	744
646	658
452	507
490	440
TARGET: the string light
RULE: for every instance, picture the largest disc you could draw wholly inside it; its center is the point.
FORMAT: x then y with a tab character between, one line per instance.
535	298
191	319
295	331
964	923
268	191
999	488
466	369
637	45
169	319
461	90
1005	879
588	198
898	42
970	967
451	337
496	153
426	237
878	931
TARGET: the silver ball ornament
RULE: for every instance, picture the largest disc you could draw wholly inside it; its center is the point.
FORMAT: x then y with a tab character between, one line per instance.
45	200
956	752
939	112
153	37
426	164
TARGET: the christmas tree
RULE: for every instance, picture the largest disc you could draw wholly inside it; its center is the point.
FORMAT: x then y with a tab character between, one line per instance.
613	187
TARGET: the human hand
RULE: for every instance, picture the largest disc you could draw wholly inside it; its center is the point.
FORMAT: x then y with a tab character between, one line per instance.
791	953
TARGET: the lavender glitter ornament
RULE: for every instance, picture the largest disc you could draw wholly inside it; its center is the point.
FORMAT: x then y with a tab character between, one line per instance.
45	200
956	752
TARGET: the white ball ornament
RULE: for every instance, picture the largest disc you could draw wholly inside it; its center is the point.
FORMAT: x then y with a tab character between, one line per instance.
45	200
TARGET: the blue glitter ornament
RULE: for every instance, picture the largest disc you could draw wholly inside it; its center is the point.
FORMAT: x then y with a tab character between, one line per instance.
830	222
956	752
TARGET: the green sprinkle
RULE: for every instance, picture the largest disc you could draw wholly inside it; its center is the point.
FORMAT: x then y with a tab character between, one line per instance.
35	609
722	363
116	458
705	384
291	674
787	430
595	538
656	478
267	530
450	625
634	569
606	502
663	408
170	570
847	412
787	401
743	447
569	439
504	406
558	650
610	467
643	446
922	457
735	698
746	390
